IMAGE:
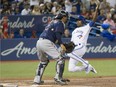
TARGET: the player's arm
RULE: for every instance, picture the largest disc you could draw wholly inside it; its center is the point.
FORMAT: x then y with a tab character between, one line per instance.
58	36
96	12
59	31
95	15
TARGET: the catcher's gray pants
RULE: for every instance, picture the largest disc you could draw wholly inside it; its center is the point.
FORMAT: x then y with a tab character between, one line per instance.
44	47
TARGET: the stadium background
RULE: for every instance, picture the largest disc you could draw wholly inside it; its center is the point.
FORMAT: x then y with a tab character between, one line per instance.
19	60
100	53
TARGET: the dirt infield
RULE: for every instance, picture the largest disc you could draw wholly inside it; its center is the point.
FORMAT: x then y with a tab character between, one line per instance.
79	82
101	81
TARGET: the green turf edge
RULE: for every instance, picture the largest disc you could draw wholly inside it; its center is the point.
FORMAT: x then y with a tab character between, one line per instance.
12	70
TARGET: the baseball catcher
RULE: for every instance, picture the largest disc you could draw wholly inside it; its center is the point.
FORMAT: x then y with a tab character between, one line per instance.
46	45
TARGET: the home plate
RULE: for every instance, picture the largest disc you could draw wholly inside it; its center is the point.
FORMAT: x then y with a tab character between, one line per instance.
57	86
8	85
39	86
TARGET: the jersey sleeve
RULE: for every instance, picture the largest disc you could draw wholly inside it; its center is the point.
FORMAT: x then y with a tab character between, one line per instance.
59	30
91	24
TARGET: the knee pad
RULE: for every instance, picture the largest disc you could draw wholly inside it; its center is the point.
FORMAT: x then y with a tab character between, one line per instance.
60	61
71	69
44	63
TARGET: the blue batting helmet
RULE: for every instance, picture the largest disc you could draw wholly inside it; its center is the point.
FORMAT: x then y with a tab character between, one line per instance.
105	26
81	18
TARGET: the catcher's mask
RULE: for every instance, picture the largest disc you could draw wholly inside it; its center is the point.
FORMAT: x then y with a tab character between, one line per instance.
62	14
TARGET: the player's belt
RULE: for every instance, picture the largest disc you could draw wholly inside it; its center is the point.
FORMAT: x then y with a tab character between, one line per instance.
41	38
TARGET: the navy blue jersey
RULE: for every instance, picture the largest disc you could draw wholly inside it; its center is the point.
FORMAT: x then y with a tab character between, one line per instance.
53	31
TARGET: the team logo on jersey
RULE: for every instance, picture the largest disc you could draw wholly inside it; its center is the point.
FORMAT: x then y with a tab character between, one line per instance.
79	36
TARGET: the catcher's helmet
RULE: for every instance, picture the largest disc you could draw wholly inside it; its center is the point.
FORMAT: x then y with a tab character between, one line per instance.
61	14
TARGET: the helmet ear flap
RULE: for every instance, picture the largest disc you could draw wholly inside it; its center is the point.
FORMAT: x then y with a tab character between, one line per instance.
58	16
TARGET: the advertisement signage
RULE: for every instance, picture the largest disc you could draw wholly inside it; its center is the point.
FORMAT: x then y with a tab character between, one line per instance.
25	49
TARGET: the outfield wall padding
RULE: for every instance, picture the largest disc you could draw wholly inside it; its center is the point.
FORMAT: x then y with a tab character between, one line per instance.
24	49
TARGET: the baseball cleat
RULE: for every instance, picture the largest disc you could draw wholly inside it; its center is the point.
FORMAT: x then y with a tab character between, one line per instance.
40	83
93	70
88	69
1	86
60	82
66	80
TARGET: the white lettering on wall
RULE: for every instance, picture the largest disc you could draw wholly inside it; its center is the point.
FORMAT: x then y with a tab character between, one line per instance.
46	19
20	50
20	24
101	48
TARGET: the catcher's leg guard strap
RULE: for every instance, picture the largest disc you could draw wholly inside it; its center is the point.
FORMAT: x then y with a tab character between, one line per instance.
61	69
40	71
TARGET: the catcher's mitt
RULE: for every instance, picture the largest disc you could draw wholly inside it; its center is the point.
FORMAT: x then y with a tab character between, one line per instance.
69	47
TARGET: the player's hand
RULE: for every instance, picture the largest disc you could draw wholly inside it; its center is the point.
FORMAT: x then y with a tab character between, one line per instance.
97	7
101	29
98	4
63	48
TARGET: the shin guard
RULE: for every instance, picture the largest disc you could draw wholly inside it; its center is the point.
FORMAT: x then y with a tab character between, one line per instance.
40	71
60	68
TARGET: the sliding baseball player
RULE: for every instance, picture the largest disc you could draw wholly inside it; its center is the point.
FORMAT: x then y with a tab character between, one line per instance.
79	38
